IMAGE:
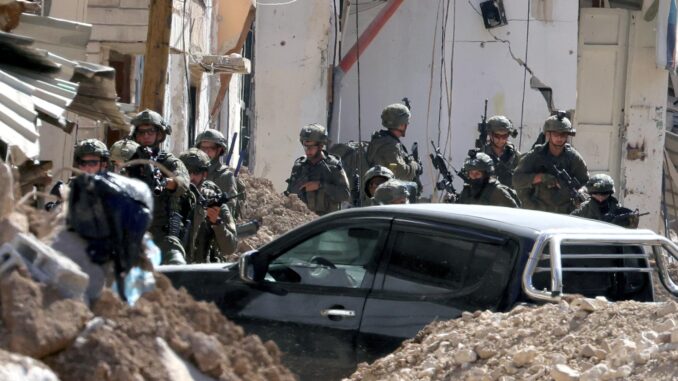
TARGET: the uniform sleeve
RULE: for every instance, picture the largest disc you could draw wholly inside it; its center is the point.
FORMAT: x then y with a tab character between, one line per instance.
524	173
224	233
501	197
389	156
226	183
337	188
180	174
579	170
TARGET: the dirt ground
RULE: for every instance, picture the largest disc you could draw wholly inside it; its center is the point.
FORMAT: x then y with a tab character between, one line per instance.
279	213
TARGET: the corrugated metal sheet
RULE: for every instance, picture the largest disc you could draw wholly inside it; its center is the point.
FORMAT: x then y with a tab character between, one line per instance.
36	86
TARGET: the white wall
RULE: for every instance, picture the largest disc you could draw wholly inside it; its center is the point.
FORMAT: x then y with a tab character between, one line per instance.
401	58
644	119
291	51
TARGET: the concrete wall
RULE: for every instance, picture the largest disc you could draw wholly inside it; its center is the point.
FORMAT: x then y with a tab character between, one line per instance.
404	60
291	51
643	135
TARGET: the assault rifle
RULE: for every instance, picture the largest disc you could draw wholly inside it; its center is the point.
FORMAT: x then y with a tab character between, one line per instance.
231	149
246	229
572	184
446	183
482	129
420	170
295	187
624	217
157	181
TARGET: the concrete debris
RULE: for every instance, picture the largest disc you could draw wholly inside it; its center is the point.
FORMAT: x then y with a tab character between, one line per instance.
609	341
17	367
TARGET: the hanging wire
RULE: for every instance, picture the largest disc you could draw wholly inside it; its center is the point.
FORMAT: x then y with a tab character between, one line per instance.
522	104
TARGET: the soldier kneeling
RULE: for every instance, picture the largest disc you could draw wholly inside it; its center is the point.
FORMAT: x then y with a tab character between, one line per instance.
605	207
482	187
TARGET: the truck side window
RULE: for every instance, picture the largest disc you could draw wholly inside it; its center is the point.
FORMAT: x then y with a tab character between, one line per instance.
436	263
335	258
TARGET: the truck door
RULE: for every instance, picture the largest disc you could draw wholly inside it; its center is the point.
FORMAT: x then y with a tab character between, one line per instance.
432	272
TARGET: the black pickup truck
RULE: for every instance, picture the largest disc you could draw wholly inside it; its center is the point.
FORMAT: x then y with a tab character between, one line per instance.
351	286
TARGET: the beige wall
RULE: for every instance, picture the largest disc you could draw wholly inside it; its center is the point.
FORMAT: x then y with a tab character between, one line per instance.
230	21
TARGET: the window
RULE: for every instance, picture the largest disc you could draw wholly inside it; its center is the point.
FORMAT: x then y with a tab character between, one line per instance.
438	263
335	258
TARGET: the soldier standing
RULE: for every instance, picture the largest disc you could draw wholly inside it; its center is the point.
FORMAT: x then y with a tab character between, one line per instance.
318	177
213	235
603	206
535	180
149	130
374	177
213	143
385	148
481	187
502	152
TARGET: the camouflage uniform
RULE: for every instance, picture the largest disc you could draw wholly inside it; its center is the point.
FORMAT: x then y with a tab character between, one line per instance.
609	208
387	150
334	188
504	165
222	175
207	242
551	195
167	232
485	191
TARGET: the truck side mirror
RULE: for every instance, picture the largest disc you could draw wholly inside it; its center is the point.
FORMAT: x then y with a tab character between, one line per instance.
253	267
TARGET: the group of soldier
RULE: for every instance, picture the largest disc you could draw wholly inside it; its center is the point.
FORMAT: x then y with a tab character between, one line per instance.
551	177
196	198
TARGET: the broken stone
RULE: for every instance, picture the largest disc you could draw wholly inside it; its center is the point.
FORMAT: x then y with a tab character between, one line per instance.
562	372
17	367
484	351
525	356
12	224
667	308
589	305
594	373
465	356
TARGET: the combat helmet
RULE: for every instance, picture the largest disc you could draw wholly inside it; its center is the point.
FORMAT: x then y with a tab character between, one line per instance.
91	147
559	123
394	115
313	133
480	162
123	150
600	183
499	124
376	171
153	118
195	160
390	191
213	136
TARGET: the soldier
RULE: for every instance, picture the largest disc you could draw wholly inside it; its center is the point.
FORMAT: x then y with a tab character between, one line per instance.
213	143
603	206
91	156
213	235
317	177
502	152
392	192
482	188
385	148
149	130
374	177
535	178
122	151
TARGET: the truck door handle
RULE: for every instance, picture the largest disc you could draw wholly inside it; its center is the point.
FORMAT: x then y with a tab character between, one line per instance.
337	313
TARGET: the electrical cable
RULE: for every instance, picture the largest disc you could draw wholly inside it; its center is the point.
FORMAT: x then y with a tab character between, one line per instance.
443	34
330	111
430	85
522	105
448	138
357	47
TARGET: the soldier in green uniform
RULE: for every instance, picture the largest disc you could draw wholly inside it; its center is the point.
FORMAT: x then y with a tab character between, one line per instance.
91	156
535	179
122	151
502	152
213	235
374	177
149	130
318	178
385	148
392	192
603	206
482	188
213	143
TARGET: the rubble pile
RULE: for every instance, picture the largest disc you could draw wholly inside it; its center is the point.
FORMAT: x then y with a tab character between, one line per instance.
584	339
279	213
47	335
